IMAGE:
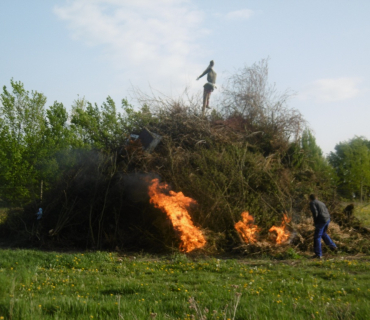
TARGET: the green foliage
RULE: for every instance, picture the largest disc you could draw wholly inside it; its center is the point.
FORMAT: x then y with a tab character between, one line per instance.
312	151
362	212
135	121
57	133
22	129
308	158
104	128
38	145
351	161
289	254
59	141
96	127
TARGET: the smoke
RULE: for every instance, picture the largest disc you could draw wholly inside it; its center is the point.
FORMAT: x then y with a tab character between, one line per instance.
136	185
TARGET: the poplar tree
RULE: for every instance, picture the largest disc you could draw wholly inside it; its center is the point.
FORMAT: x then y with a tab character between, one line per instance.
22	129
351	160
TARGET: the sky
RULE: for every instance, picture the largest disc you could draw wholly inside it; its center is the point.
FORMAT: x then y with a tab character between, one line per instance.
318	50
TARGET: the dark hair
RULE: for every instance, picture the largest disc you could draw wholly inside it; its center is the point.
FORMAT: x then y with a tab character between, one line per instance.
312	197
212	62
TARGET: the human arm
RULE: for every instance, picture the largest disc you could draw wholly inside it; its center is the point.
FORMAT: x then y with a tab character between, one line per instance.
314	211
204	73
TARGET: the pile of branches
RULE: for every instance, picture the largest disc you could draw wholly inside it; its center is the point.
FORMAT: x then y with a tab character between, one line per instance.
244	156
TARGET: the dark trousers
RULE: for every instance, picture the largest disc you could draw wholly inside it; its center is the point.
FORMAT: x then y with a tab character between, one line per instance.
206	96
320	233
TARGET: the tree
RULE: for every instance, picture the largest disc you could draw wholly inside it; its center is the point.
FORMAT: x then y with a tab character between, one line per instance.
59	143
351	161
312	152
135	121
99	128
104	127
22	128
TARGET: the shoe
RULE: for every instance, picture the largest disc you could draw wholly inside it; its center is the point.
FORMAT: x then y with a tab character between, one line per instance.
334	249
316	257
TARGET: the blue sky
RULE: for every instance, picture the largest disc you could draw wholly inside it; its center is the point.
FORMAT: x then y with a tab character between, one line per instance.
94	48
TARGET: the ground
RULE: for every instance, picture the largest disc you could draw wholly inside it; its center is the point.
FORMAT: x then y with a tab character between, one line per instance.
103	285
120	285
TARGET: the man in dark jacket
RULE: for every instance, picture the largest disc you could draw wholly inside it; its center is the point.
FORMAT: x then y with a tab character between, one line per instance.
321	218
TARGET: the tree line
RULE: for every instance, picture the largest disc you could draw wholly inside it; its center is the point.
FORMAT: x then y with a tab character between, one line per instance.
39	143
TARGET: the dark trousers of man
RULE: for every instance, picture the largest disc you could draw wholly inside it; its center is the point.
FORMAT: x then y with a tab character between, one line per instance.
320	233
206	96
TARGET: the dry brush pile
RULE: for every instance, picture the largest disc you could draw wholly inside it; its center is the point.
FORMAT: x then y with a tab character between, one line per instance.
246	157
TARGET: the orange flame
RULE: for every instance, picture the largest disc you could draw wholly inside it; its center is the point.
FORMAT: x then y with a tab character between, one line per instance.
246	228
281	232
174	205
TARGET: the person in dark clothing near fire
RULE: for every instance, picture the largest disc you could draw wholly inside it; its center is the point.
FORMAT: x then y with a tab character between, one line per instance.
321	218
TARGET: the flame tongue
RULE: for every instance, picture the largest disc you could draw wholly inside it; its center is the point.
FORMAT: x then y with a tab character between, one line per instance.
282	233
246	228
174	205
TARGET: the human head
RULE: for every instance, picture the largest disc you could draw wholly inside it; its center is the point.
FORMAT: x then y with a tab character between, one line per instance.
212	63
312	197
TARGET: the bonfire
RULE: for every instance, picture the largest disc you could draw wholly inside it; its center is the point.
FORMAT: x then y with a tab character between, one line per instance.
176	205
282	234
246	228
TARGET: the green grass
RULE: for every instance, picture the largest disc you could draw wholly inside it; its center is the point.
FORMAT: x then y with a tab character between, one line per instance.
100	285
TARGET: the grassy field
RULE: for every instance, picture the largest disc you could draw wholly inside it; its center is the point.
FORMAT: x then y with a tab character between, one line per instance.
100	285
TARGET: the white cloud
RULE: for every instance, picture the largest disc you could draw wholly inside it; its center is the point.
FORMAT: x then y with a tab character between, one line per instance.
239	14
149	41
331	90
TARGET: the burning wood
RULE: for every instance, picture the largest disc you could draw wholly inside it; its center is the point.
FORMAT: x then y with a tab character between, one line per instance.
246	228
282	234
175	205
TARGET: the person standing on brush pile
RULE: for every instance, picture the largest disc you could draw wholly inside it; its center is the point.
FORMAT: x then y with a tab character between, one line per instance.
321	218
209	86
